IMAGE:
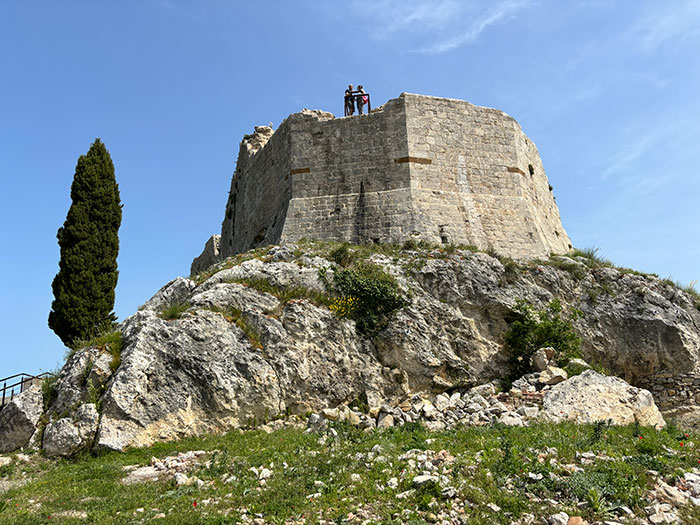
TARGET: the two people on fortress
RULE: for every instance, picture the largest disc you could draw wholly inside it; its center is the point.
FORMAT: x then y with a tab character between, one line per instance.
355	97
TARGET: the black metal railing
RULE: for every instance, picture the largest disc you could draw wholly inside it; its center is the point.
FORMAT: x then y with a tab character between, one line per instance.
22	382
353	98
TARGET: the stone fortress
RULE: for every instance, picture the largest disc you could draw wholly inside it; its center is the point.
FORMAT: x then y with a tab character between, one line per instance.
419	167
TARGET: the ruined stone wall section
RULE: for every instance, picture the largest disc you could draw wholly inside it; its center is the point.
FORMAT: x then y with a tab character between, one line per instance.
419	167
260	192
539	195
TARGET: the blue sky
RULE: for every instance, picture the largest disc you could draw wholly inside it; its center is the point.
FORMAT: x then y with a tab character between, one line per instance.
609	92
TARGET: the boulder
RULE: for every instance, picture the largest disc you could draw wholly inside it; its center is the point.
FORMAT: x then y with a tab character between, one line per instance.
591	397
553	375
539	360
19	418
176	291
67	436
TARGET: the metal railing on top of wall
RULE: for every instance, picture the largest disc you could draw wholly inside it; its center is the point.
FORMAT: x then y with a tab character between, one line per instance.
353	97
21	382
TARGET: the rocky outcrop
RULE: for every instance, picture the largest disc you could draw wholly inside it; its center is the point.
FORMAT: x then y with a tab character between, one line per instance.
19	419
592	397
238	356
208	257
68	435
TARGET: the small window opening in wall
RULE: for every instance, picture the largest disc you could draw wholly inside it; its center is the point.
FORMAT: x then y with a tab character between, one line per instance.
531	169
550	187
556	233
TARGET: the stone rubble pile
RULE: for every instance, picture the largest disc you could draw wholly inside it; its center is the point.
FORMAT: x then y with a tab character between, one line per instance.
482	405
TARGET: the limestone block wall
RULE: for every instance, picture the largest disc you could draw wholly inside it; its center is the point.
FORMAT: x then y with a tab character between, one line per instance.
346	184
420	167
672	391
260	192
477	179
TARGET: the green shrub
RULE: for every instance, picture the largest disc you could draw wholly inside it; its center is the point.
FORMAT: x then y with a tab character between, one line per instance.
342	255
376	293
533	329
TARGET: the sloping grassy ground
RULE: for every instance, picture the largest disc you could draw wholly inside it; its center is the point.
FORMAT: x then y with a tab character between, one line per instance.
345	478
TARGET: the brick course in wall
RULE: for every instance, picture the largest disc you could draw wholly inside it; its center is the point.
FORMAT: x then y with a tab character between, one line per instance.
427	168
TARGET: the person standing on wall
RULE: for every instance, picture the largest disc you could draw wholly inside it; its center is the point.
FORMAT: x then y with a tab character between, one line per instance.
361	99
349	101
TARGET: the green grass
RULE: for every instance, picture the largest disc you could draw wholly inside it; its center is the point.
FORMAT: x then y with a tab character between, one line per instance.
174	311
235	316
491	465
286	293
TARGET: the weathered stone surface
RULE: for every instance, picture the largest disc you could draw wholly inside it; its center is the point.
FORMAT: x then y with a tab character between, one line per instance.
175	292
18	419
67	436
553	375
424	168
539	360
592	397
85	369
202	372
208	257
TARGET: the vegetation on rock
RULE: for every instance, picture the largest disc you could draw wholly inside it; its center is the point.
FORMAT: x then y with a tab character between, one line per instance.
533	329
368	295
84	286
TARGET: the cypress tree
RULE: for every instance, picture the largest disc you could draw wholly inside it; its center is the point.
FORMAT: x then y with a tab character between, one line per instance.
84	287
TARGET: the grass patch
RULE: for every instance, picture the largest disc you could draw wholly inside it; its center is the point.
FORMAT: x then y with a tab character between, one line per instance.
174	311
286	293
235	316
313	477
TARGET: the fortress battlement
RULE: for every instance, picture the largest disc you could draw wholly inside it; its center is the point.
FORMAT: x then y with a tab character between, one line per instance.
420	167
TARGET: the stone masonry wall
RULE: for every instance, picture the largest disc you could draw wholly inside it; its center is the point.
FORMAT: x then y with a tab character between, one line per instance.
672	391
346	184
420	167
477	179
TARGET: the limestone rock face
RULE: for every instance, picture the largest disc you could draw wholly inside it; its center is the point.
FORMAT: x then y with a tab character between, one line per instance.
591	397
67	436
18	419
239	356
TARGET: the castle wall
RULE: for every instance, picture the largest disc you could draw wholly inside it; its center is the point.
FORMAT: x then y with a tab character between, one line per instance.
260	191
420	167
346	184
472	182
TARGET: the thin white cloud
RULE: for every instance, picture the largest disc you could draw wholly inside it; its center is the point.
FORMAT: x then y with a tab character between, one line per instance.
671	22
494	15
627	155
439	23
